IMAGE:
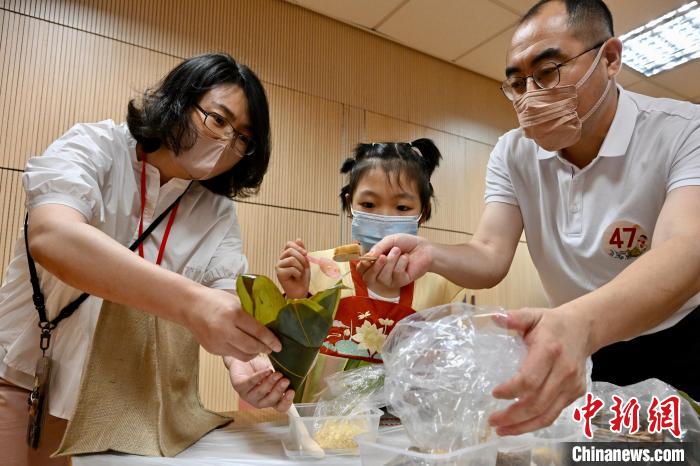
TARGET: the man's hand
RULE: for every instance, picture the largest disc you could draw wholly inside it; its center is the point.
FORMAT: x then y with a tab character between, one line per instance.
553	374
401	259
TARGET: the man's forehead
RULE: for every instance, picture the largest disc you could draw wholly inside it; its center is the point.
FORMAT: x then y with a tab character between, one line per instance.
531	40
548	28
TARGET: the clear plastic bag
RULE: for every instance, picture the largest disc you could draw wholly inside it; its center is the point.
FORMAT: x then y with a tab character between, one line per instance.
441	366
347	407
352	392
643	391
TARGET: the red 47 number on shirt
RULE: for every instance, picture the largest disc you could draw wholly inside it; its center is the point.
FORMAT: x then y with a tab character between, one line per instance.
619	233
625	240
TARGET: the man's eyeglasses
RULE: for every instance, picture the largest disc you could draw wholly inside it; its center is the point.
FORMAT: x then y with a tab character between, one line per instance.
546	76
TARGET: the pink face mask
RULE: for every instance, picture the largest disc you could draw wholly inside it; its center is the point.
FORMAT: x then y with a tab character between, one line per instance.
206	157
549	115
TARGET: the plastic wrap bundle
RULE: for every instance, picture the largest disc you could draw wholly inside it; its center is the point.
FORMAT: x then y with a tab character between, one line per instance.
352	392
441	366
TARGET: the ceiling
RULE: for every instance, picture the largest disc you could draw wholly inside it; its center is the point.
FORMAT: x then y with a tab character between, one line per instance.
475	34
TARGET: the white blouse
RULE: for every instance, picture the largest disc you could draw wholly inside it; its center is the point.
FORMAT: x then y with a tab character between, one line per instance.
93	168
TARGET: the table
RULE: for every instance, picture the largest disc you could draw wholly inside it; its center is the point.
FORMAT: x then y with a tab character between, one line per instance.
254	438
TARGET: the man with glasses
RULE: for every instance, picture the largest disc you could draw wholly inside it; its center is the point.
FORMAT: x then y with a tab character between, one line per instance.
606	185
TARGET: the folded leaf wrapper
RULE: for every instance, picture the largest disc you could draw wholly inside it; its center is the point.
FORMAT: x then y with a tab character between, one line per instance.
300	324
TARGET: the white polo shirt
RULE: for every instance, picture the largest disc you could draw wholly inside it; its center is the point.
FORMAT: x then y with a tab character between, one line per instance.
93	168
584	226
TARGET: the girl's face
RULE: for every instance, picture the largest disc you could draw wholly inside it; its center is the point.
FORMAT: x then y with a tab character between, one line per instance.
379	193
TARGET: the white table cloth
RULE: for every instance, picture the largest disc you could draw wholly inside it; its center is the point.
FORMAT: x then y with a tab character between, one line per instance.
254	438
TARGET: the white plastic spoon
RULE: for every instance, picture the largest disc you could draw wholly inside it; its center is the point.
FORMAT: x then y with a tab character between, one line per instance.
302	436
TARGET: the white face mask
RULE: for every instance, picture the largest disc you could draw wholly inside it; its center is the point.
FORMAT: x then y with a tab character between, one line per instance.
369	229
206	157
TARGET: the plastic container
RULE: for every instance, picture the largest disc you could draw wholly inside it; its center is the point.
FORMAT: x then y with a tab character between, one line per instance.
393	448
550	444
335	434
546	447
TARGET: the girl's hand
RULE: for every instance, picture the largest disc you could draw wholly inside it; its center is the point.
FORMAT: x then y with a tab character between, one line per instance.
293	270
258	384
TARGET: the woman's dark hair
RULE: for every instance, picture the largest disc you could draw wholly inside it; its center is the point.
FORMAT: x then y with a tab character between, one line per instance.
163	117
415	160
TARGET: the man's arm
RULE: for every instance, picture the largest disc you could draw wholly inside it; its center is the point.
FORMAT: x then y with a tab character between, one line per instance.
646	293
481	263
657	284
485	260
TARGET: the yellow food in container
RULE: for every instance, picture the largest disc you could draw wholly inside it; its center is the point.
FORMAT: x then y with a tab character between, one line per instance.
339	434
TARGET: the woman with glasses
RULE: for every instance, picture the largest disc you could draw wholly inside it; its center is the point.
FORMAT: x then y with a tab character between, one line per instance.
131	238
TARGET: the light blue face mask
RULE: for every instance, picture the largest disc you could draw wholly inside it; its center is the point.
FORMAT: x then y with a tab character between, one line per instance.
369	229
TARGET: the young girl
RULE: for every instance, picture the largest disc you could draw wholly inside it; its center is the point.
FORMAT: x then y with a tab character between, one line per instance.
388	191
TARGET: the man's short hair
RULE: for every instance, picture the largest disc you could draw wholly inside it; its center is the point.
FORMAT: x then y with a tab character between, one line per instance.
589	20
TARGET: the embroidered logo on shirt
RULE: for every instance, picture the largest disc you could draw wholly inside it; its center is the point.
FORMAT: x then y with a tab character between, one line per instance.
625	240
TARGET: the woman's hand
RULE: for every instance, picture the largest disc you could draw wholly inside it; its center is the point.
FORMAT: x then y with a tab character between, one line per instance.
258	384
76	253
293	270
222	327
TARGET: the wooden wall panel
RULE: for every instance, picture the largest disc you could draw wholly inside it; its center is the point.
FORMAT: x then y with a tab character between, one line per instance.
298	49
474	182
383	128
306	142
11	215
266	230
354	132
53	77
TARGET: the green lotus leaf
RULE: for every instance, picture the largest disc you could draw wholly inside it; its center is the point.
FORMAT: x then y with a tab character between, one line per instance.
301	325
260	297
244	289
329	299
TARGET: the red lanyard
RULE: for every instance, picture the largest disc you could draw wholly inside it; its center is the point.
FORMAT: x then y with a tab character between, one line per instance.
171	219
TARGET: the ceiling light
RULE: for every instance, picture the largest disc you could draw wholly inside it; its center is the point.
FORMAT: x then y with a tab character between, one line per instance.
665	42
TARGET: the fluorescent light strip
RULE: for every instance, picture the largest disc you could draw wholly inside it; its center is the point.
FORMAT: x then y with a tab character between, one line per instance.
665	42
